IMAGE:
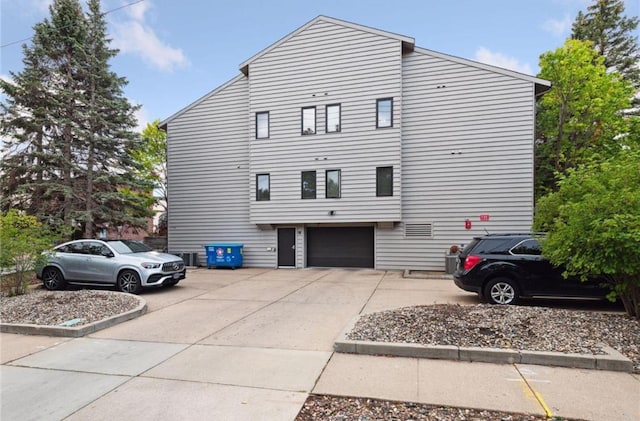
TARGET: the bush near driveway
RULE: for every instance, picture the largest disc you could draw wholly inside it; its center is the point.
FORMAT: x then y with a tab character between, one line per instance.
593	224
23	239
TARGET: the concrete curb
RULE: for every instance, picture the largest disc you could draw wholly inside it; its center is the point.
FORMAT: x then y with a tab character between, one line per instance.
76	332
409	274
611	361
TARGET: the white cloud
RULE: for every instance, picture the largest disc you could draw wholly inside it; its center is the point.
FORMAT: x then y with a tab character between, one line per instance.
135	36
484	55
557	27
137	11
141	116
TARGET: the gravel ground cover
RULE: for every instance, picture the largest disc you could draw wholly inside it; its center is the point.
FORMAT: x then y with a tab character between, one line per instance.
513	327
484	325
52	308
334	408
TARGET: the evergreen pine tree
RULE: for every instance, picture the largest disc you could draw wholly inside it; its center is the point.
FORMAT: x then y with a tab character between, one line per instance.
39	118
66	36
68	128
23	124
611	32
111	195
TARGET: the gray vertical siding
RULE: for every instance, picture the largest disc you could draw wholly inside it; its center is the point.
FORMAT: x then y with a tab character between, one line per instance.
326	63
208	158
467	150
461	146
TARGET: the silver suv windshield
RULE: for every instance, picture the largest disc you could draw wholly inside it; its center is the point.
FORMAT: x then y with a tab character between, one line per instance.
129	246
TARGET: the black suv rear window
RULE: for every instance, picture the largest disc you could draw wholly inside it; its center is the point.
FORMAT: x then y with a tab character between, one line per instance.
530	247
492	246
467	249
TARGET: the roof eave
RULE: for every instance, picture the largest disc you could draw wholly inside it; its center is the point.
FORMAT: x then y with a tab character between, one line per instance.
542	89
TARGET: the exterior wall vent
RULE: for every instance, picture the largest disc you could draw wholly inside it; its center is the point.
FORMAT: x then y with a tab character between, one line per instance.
418	230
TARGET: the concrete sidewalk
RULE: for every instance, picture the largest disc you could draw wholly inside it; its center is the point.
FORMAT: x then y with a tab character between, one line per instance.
253	343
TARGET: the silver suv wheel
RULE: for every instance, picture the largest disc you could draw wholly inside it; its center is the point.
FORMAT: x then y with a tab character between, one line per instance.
52	279
129	281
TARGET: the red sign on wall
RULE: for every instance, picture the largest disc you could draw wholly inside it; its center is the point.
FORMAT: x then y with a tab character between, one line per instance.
484	217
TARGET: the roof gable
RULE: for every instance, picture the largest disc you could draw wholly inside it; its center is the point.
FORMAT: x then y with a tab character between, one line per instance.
542	85
163	124
408	43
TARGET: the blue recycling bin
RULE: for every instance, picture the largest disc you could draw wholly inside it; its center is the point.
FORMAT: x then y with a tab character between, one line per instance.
224	255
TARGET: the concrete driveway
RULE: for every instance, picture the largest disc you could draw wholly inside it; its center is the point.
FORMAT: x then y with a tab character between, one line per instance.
253	343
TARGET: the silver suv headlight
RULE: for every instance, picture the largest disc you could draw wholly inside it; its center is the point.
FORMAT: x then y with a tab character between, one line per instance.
149	265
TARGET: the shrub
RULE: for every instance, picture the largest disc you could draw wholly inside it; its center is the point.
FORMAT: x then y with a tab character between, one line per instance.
23	239
593	224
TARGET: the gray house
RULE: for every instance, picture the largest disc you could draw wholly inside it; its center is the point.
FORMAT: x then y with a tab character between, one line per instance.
347	146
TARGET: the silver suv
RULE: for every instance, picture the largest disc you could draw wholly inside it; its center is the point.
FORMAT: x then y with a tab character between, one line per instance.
129	265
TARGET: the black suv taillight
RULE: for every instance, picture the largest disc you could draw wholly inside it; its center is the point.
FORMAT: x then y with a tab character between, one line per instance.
471	261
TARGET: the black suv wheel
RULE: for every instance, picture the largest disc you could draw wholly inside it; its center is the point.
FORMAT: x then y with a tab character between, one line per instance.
501	291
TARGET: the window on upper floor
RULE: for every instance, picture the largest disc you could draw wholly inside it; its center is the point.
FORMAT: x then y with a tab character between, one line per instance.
333	118
309	120
332	184
384	112
384	181
263	190
308	184
262	125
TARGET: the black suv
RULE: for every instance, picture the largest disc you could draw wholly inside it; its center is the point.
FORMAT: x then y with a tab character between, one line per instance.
501	268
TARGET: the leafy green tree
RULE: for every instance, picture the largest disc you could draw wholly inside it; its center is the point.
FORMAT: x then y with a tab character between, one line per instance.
151	157
611	33
69	128
23	239
593	224
580	116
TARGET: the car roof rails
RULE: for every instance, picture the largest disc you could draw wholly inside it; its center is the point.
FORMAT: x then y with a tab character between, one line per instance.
510	234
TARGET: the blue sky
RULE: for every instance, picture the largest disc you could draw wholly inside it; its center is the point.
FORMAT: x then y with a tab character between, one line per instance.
173	52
